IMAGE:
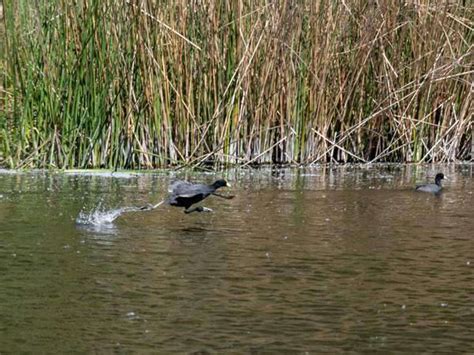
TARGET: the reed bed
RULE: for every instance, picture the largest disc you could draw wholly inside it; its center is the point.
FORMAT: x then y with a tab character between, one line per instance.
147	84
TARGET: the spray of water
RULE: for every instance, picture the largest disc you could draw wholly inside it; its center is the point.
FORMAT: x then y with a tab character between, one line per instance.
100	216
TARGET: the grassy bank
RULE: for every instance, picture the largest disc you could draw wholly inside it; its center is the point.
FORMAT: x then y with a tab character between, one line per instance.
142	84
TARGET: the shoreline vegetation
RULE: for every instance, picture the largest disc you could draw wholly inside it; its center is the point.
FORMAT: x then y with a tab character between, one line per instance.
147	84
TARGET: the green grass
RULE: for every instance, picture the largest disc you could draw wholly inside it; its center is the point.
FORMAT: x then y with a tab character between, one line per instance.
106	84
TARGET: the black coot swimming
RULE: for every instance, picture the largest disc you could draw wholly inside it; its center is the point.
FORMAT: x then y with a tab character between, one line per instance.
433	188
185	194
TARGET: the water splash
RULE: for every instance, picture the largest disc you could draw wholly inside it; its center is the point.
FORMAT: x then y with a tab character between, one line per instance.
99	216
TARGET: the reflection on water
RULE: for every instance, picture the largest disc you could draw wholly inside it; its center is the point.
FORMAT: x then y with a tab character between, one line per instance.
302	260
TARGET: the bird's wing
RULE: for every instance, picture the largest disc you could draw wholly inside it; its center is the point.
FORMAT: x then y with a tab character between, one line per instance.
187	189
177	185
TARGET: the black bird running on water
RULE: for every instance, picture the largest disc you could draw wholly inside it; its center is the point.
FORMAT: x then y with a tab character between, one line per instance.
433	188
185	194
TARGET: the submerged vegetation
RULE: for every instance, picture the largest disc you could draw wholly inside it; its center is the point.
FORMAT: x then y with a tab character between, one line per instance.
144	84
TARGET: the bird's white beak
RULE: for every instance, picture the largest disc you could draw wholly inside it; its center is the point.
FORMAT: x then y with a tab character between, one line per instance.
228	185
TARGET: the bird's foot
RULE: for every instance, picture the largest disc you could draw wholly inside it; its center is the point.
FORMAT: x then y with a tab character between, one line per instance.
147	207
198	209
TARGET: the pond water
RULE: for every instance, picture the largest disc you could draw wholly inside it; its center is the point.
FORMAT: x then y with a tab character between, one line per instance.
301	260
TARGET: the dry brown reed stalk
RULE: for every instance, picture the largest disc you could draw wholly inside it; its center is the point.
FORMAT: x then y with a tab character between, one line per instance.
142	84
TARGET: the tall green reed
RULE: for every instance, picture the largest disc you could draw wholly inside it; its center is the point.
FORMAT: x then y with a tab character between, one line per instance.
144	84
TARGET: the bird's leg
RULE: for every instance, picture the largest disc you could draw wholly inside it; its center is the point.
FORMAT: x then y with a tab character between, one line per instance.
197	209
147	207
223	196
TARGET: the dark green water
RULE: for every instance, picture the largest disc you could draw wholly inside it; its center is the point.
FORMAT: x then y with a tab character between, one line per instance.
323	260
